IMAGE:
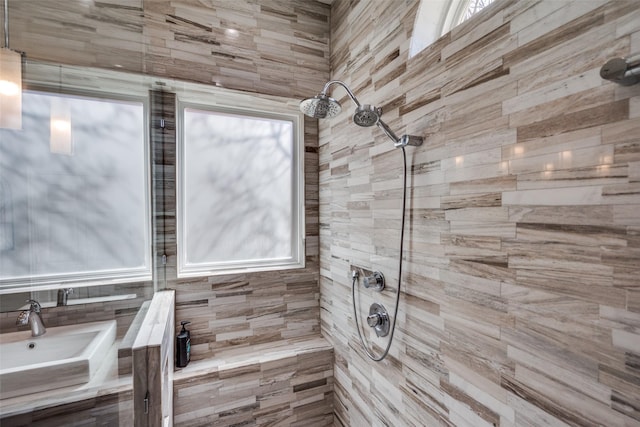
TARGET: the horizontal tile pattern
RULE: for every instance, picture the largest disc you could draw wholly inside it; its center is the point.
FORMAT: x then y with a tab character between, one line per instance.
244	310
520	301
271	47
108	409
279	383
123	311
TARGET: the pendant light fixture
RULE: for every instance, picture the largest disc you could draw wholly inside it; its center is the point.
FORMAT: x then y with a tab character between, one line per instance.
60	138
10	81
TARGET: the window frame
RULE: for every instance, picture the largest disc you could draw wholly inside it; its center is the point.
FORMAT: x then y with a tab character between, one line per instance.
105	276
243	107
460	14
436	18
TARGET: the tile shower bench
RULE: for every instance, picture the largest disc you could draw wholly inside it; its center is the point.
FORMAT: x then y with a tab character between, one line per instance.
287	382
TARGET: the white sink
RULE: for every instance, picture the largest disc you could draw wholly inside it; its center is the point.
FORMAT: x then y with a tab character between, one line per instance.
64	356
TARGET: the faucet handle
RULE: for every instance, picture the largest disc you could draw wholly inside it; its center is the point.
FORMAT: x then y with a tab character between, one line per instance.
35	306
23	318
63	296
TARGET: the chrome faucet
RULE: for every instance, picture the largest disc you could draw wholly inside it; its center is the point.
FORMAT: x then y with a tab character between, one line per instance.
63	296
32	317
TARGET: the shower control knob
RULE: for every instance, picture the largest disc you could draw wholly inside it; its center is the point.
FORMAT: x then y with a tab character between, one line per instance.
375	281
374	320
378	319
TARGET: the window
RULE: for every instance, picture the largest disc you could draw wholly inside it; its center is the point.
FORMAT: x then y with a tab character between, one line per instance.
436	18
75	182
469	8
74	202
240	201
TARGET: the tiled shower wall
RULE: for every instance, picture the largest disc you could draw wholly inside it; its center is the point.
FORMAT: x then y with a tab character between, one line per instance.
521	300
273	47
277	47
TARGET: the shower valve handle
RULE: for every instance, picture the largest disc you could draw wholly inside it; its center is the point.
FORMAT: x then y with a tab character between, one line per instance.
375	281
378	319
374	320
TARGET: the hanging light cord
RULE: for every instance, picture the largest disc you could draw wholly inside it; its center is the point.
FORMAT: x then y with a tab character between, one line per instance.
354	276
6	24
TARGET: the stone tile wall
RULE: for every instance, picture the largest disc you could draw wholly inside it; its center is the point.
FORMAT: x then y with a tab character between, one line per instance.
123	311
113	408
276	47
520	302
288	383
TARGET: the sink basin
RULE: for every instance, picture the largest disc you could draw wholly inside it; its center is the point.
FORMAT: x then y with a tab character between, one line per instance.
64	356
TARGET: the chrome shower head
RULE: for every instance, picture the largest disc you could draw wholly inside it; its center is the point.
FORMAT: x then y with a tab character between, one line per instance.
366	115
320	106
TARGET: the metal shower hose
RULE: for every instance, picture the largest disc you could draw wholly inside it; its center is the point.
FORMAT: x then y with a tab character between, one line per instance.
355	274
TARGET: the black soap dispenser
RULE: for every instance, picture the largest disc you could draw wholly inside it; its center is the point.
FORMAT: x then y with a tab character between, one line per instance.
183	346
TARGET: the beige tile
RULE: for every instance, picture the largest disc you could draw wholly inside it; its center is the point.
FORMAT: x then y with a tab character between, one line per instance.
554	197
555	19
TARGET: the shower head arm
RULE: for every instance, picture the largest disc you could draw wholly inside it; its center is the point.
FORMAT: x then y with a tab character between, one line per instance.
338	82
398	142
382	125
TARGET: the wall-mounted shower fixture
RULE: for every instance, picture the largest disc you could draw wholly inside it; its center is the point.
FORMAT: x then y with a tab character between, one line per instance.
378	319
375	281
622	71
322	106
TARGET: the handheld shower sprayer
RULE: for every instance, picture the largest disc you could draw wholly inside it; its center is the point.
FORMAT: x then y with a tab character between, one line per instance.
323	106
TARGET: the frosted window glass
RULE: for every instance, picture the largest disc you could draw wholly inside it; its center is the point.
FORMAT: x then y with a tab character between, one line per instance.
74	209
238	190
